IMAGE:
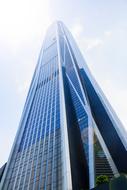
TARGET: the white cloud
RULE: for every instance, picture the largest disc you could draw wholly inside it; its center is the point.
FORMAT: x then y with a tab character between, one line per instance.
91	43
108	33
96	42
88	43
21	88
77	30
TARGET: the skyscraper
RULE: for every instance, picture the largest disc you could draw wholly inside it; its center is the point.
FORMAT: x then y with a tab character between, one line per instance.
68	133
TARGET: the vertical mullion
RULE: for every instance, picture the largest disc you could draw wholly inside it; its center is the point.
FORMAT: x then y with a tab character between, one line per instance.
46	111
49	139
54	140
66	167
24	148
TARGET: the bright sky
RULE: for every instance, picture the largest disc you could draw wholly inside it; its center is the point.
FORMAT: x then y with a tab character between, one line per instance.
100	29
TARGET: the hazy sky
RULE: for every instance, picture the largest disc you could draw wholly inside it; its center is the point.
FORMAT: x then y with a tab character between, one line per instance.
100	29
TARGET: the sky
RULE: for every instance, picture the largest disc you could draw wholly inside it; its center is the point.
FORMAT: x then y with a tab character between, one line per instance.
100	30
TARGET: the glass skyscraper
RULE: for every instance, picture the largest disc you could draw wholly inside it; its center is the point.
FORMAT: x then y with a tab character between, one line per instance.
68	134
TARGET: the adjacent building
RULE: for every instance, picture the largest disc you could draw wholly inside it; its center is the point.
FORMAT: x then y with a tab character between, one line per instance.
68	134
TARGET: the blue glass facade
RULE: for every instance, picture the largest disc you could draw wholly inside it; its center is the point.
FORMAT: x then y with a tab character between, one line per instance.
54	146
37	162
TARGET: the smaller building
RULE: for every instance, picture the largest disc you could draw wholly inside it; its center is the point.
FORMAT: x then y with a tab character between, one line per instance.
2	171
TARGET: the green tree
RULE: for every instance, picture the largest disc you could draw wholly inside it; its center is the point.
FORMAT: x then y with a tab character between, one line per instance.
102	179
